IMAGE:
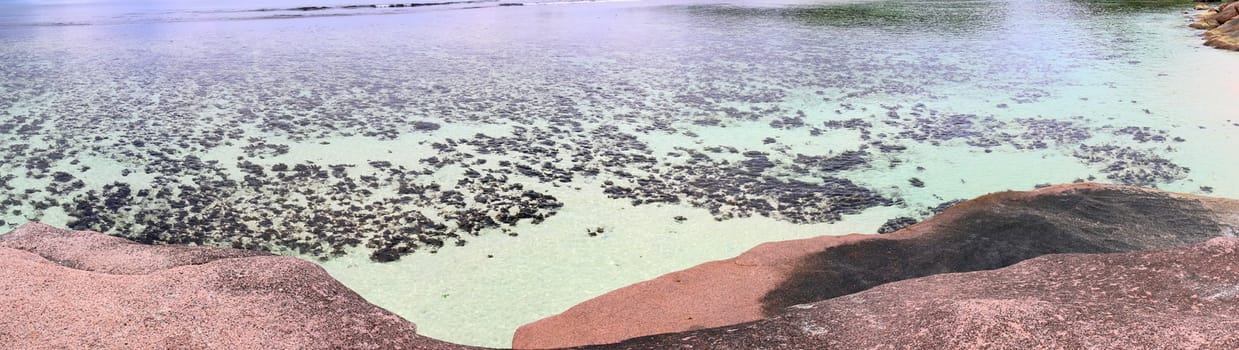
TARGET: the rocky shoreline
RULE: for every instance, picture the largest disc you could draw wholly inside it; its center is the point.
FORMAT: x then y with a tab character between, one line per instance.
985	233
1145	268
1221	30
1181	298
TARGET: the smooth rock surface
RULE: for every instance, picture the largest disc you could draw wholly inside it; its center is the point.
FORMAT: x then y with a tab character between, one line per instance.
1225	36
1182	298
1221	28
1226	12
85	290
989	232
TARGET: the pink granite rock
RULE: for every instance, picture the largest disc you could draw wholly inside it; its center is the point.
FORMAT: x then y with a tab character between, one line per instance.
73	289
712	294
84	290
1220	25
1225	36
989	232
1184	298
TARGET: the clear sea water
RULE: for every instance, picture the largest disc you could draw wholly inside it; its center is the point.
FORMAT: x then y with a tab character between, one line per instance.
474	166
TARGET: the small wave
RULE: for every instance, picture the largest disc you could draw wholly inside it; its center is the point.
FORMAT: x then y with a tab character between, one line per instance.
349	7
60	24
573	2
383	6
299	12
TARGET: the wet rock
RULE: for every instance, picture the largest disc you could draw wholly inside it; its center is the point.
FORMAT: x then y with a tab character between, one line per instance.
1131	166
387	254
915	182
941	207
425	126
594	232
896	224
61	177
757	162
846	160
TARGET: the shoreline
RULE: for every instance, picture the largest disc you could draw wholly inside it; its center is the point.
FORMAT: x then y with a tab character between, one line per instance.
231	296
460	170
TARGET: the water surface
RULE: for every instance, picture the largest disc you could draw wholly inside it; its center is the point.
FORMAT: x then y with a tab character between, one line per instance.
474	166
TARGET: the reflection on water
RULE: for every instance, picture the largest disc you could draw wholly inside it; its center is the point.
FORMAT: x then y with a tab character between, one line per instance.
589	144
898	16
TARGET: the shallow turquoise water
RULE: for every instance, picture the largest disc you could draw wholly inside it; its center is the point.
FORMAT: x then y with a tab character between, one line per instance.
517	160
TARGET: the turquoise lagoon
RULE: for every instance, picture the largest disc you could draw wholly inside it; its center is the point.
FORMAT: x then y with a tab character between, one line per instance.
476	166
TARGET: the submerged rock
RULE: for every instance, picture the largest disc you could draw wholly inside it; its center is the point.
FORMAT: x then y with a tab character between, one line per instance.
77	289
896	224
989	232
